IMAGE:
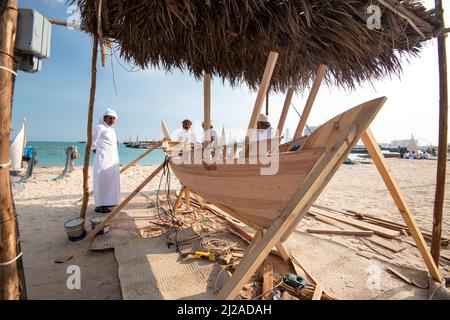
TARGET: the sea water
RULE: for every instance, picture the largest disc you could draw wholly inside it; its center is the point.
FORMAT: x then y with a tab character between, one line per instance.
57	157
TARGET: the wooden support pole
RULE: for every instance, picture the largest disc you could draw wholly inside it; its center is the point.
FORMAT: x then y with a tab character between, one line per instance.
146	153
179	198
124	203
443	129
320	74
207	107
284	112
317	292
199	200
270	66
187	198
381	164
87	152
267	280
284	254
10	275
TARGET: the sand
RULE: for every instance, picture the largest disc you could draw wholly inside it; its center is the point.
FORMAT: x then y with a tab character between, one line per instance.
43	205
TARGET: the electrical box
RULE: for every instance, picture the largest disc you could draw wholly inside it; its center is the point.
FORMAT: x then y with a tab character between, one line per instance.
29	63
33	34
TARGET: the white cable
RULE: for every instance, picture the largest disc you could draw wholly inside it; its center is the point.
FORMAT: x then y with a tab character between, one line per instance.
5	165
9	70
11	261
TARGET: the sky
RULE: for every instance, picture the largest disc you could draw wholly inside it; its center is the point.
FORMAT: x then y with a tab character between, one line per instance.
55	100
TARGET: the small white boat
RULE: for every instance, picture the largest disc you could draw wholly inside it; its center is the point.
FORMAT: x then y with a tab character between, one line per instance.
17	147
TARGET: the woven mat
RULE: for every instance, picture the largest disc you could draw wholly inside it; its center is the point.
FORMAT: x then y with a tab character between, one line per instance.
149	270
121	229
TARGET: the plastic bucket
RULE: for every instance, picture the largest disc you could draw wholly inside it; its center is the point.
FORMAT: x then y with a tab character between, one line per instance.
75	229
96	221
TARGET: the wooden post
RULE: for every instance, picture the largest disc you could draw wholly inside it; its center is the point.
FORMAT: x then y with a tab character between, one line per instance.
87	152
443	128
271	61
320	74
187	198
284	112
381	164
10	259
179	198
207	107
124	203
267	280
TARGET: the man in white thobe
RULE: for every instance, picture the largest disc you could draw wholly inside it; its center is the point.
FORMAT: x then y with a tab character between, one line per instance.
106	163
264	130
186	135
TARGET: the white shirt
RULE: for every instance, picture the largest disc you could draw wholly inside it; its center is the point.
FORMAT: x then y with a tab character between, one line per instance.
186	136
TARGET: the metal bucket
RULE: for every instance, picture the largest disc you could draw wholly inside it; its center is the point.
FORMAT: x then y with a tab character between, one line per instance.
96	221
75	229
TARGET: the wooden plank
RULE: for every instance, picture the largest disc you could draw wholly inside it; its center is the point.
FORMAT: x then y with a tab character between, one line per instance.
283	252
317	292
381	164
363	233
146	153
399	274
360	224
180	196
94	232
284	112
267	280
187	198
394	247
320	74
270	66
378	250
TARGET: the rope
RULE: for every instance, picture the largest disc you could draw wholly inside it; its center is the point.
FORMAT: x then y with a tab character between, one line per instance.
11	261
9	70
5	165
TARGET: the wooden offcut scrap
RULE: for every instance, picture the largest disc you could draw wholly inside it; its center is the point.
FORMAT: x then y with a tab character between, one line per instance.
394	247
364	233
359	224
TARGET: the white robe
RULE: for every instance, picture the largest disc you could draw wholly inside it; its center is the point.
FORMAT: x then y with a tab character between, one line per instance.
186	136
106	166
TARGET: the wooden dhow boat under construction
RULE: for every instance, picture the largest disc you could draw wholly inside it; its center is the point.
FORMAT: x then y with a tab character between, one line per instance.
257	199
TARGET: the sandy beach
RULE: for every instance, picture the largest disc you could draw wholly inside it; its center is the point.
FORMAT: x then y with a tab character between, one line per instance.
43	205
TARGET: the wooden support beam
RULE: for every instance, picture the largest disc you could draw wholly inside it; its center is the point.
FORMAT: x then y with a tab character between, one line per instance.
199	199
381	164
267	280
443	131
270	66
318	292
320	74
87	151
11	281
363	233
283	252
207	107
124	203
187	198
284	112
179	198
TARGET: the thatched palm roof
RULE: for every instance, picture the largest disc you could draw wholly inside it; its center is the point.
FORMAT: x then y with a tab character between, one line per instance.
232	38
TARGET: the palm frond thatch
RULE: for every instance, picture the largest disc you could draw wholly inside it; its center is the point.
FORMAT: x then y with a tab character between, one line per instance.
232	38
